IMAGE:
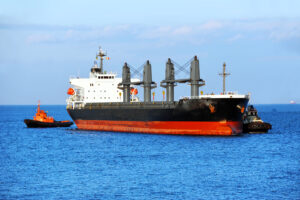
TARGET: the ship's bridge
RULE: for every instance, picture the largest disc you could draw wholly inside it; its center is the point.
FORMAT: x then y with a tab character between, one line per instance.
99	87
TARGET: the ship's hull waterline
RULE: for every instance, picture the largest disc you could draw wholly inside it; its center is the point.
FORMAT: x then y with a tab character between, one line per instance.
221	116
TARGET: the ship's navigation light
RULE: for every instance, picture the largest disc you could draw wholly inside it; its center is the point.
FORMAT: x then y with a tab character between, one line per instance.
101	52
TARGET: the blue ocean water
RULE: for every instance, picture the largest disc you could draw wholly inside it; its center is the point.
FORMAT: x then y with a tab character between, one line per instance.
66	163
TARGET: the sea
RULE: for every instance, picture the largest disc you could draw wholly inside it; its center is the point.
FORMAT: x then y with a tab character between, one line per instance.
67	163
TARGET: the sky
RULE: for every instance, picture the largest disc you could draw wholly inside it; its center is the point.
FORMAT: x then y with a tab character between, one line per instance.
44	43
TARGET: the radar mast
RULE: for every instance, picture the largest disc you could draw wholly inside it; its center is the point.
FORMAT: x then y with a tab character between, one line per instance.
101	54
224	74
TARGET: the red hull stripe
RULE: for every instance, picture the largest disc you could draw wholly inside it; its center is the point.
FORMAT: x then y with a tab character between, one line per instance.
163	127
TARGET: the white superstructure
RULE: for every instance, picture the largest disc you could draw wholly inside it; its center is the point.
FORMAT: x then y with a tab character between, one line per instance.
99	87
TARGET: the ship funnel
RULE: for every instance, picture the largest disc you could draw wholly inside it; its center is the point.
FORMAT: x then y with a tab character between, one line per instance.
169	82
147	81
195	80
125	84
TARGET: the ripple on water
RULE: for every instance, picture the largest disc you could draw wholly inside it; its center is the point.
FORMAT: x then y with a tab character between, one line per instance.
66	163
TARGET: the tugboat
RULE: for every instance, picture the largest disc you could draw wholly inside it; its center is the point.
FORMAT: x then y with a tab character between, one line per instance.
252	122
41	120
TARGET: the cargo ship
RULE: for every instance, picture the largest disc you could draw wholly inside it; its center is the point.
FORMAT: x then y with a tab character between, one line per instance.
104	102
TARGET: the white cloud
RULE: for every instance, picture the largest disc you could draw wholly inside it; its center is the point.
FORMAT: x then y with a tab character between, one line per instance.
211	25
40	38
250	29
286	33
155	32
236	37
184	30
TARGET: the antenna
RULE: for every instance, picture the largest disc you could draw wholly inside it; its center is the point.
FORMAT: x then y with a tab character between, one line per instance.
224	74
101	54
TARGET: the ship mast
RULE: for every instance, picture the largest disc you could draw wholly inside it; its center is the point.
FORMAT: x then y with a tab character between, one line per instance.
38	109
224	74
101	54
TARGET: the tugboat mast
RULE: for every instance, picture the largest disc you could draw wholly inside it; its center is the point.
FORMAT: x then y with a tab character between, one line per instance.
224	74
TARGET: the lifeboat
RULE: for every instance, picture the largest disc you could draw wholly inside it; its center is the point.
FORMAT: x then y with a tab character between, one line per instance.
41	120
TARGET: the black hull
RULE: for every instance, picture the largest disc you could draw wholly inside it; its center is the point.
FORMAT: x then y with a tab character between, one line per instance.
37	124
211	116
257	127
224	109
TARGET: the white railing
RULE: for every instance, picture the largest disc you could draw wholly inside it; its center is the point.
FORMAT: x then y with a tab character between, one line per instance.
212	95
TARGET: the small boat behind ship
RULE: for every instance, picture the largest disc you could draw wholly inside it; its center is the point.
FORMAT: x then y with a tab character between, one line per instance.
252	122
41	120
